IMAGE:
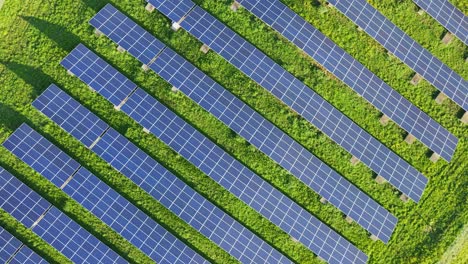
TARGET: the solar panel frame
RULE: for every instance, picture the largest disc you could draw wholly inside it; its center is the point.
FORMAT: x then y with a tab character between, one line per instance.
177	196
406	49
226	107
310	40
306	102
448	16
111	155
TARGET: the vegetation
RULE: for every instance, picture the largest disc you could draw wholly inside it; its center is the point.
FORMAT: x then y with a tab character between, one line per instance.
38	34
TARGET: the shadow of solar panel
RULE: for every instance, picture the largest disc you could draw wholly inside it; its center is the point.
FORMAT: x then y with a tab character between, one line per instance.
354	74
448	16
55	228
96	196
406	49
249	124
179	197
8	246
248	186
306	102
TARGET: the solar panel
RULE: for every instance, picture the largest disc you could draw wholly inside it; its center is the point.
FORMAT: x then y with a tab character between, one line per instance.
406	49
55	227
18	200
99	198
249	124
27	256
355	75
228	172
448	16
306	102
9	245
175	10
176	195
116	91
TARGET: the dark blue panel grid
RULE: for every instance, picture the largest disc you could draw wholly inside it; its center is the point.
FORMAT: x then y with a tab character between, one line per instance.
243	120
8	246
83	63
8	243
355	75
175	10
27	256
406	49
306	102
73	241
55	228
37	152
133	225
53	101
181	199
19	200
448	16
135	40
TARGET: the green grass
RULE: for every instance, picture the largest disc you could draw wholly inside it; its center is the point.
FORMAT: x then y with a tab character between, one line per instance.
38	34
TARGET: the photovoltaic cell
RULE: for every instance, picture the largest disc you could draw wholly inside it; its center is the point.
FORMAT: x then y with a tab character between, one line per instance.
237	178
252	126
354	74
116	91
179	197
448	16
8	246
406	49
306	102
96	196
55	228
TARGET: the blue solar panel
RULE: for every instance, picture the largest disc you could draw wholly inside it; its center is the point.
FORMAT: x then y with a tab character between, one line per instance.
99	198
228	172
406	49
175	10
9	245
179	197
73	241
20	201
355	75
27	256
116	91
252	126
448	16
55	228
306	102
137	41
58	108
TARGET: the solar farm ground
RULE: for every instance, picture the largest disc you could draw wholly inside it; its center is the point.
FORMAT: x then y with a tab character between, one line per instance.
36	35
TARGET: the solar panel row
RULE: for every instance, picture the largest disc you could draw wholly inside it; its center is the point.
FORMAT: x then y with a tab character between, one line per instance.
448	16
243	120
406	49
306	102
354	74
228	172
159	182
106	204
55	227
9	246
